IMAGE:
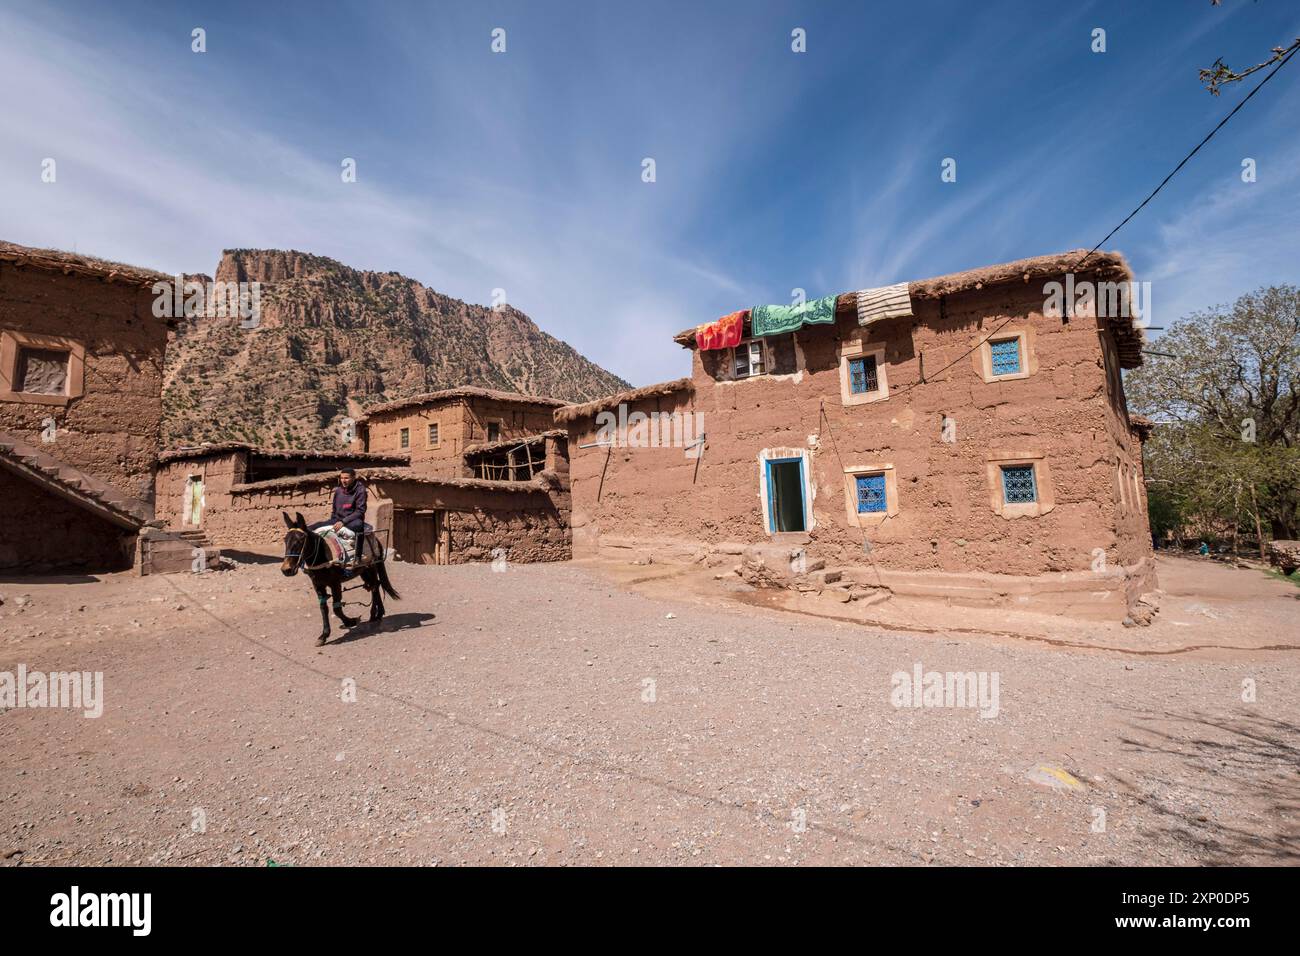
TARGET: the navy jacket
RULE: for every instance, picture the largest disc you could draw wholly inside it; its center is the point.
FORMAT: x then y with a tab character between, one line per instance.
350	507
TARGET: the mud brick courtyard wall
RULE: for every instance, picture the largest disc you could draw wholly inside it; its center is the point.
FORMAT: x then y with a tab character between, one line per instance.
944	529
528	520
111	429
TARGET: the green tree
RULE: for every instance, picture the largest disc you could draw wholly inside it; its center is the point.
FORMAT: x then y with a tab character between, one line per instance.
1226	397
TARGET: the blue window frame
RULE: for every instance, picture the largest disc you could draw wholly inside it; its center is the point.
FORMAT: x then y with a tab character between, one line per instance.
871	493
786	494
1018	485
862	375
1006	356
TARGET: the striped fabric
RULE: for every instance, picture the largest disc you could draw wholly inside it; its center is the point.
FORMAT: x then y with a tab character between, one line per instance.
887	302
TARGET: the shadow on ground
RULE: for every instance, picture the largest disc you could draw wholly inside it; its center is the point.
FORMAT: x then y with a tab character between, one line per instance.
1219	761
393	622
250	557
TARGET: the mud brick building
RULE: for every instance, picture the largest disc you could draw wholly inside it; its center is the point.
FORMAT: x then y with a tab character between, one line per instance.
436	428
81	363
955	438
194	482
447	512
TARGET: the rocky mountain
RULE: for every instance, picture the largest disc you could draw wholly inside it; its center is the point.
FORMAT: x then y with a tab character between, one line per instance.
331	341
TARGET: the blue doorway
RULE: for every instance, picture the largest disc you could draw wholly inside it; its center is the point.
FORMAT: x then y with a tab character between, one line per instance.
785	495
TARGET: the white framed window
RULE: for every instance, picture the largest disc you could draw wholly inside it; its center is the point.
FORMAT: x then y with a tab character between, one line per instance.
863	376
1007	356
870	493
749	358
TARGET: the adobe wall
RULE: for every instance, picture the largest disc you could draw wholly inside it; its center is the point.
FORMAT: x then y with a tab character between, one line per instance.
945	522
530	525
516	419
444	461
113	430
461	423
1129	500
220	472
57	535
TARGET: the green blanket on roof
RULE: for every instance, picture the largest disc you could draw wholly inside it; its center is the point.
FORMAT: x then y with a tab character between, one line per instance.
778	319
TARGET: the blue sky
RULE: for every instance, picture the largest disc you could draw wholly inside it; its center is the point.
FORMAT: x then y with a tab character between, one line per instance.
775	170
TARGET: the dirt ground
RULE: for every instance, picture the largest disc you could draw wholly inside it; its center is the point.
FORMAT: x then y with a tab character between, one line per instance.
589	714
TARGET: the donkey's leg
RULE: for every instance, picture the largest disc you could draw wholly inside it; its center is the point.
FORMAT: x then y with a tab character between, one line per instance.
336	588
376	598
323	600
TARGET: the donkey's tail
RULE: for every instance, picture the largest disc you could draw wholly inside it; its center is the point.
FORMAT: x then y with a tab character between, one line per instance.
385	583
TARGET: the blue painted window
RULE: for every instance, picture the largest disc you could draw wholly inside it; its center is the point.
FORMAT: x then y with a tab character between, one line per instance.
871	493
1018	485
862	375
1006	356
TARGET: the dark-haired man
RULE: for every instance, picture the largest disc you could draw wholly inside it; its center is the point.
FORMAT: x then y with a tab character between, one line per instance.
349	506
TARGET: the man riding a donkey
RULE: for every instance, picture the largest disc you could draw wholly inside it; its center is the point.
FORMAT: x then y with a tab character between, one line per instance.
306	549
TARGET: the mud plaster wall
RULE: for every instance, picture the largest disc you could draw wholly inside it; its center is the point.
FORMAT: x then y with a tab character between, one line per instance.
461	422
113	430
58	535
219	473
945	520
1130	496
530	525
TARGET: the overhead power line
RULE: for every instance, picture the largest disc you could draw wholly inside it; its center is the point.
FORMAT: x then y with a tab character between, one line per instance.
1208	136
1196	149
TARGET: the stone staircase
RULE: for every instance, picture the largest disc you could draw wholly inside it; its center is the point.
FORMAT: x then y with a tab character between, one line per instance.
58	477
845	585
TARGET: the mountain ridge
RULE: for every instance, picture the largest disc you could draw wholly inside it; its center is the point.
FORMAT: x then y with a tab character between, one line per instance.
332	341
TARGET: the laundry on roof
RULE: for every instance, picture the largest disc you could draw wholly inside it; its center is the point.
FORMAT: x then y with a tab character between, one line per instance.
779	319
725	333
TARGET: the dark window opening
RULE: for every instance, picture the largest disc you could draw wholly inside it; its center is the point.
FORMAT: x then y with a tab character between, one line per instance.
862	375
785	495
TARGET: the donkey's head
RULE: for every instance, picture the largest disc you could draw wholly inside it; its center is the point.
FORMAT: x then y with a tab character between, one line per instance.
296	543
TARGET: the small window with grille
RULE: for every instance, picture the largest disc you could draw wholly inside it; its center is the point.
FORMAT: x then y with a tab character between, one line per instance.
433	434
404	438
863	377
1018	485
749	359
1005	355
871	493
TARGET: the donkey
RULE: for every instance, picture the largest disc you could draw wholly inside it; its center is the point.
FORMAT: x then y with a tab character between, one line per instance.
307	551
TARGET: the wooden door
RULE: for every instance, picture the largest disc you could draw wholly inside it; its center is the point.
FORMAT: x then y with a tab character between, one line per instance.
417	536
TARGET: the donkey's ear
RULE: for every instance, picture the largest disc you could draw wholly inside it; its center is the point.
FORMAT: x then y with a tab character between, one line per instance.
288	523
301	521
